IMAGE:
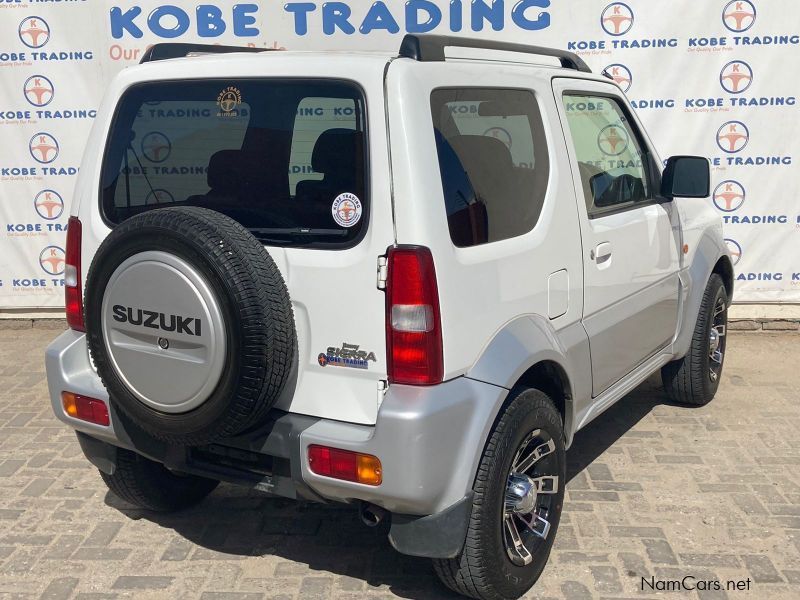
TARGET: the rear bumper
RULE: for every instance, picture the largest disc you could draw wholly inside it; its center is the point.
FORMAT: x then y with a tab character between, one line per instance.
429	441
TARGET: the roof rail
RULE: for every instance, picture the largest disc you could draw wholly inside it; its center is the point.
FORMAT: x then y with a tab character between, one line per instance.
427	48
175	50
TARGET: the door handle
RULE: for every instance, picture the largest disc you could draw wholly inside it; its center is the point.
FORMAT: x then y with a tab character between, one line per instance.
601	253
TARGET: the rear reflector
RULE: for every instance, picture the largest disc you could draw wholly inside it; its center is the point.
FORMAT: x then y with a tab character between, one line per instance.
85	408
72	276
413	323
344	464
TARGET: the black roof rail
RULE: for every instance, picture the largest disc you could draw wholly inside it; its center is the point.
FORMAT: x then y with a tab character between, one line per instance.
176	50
427	48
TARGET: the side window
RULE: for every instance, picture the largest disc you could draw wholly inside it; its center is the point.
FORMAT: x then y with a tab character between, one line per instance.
493	161
613	164
315	116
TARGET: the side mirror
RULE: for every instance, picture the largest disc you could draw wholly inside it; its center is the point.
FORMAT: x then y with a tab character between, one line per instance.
686	177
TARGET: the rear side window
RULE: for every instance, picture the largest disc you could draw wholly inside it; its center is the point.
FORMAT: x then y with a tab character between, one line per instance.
493	162
284	158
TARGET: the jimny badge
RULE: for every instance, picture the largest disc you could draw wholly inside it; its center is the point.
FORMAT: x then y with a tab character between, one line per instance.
348	355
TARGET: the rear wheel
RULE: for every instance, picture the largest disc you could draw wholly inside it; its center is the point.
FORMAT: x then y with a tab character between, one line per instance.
149	485
694	379
519	494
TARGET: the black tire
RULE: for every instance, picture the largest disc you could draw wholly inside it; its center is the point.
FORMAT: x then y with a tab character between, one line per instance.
149	485
484	569
691	380
254	303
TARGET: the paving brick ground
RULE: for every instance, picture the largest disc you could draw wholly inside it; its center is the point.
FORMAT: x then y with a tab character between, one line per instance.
655	490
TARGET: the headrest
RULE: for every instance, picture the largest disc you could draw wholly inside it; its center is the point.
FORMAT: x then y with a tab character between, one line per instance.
336	152
224	170
481	151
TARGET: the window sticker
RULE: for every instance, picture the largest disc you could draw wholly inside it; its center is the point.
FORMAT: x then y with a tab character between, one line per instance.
346	209
228	102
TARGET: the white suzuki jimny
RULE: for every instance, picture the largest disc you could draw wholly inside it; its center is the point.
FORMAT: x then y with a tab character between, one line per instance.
399	281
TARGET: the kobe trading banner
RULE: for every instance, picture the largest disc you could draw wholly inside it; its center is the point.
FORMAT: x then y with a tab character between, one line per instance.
713	77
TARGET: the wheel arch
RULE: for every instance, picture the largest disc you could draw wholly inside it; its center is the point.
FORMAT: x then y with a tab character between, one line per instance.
711	256
529	352
550	377
724	268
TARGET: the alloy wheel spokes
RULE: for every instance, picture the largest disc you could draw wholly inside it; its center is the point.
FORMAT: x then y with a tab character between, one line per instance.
546	484
529	496
521	553
522	465
539	526
716	339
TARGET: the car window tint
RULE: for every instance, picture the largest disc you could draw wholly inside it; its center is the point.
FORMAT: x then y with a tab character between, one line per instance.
613	168
285	158
493	162
314	117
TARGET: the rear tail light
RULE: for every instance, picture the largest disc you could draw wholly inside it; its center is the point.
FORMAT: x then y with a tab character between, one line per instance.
72	276
85	408
413	325
344	464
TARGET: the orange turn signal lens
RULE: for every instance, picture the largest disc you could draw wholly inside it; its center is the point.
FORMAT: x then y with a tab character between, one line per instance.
84	408
369	469
345	465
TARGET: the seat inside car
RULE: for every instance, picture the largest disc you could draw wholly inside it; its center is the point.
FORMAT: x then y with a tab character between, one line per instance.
338	156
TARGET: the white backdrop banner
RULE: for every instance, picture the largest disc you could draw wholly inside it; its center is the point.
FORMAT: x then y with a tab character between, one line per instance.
716	78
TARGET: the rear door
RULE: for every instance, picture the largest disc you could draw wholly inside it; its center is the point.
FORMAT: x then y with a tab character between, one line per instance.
630	245
302	164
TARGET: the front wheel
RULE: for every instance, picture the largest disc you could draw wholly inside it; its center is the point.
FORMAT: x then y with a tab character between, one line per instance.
694	379
519	494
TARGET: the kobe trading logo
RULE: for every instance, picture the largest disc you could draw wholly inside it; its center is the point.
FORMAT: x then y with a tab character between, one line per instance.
621	74
39	90
49	204
616	18
729	195
228	101
733	136
736	77
739	15
43	148
612	140
156	147
735	250
52	260
501	134
34	32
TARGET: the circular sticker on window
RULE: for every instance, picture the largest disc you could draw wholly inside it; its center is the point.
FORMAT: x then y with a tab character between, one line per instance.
346	209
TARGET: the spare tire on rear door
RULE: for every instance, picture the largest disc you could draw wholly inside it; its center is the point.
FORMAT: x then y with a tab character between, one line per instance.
189	324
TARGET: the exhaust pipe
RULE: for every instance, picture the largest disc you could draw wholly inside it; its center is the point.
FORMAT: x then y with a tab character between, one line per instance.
371	515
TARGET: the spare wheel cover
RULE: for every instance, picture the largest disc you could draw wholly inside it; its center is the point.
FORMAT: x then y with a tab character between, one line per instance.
164	331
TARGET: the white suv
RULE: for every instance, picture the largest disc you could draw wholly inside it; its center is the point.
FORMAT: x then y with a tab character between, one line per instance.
398	281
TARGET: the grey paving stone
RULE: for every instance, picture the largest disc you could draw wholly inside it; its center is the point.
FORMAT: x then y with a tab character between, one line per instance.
142	582
60	588
636	506
762	569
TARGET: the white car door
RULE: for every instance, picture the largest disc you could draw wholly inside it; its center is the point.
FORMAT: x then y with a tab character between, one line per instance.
631	249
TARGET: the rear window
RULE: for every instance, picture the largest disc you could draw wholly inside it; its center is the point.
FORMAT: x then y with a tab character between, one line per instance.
285	158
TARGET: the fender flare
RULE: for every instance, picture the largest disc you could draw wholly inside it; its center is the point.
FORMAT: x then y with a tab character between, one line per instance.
529	340
705	259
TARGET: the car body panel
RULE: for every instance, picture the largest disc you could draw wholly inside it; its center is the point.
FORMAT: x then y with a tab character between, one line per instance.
334	294
506	306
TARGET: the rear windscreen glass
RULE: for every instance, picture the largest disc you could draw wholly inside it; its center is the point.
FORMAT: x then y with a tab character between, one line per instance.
285	158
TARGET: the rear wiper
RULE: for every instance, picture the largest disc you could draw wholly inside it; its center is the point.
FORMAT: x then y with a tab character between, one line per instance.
296	231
